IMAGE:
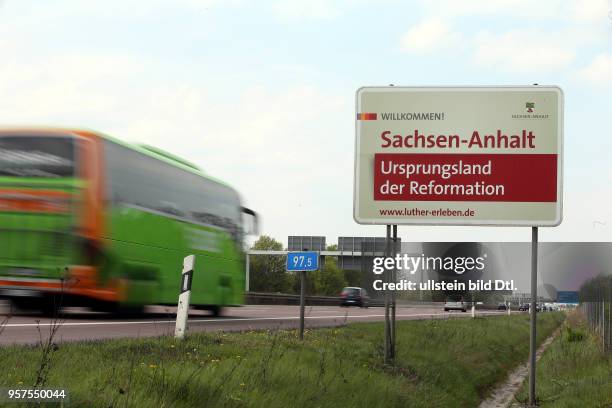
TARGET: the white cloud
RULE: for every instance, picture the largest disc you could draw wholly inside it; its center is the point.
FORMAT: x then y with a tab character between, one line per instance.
305	9
599	71
34	13
578	11
429	35
580	25
64	87
589	11
524	51
453	8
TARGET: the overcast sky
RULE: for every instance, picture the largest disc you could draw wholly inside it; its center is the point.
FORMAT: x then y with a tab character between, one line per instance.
261	94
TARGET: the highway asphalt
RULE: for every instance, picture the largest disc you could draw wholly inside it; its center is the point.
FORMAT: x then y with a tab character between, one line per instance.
81	324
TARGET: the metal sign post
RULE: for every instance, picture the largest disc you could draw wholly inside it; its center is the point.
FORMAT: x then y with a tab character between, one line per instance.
387	319
302	302
390	300
185	293
533	317
393	295
302	262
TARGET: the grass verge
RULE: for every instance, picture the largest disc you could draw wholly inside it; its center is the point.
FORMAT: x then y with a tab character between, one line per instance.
440	363
574	371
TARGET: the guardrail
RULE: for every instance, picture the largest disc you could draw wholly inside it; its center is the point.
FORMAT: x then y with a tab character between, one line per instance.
596	304
598	315
259	298
264	298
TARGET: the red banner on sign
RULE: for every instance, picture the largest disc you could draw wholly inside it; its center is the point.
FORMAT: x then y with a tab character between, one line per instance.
465	177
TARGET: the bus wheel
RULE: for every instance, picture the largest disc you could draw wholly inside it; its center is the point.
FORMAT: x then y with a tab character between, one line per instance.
49	309
27	305
129	310
44	306
216	310
118	309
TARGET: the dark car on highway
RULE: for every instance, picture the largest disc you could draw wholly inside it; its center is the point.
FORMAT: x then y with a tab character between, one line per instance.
527	306
354	296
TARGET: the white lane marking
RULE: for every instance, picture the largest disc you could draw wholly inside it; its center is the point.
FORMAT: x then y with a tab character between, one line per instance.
253	319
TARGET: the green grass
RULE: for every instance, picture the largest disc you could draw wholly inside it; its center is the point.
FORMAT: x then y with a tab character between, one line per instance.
440	363
573	371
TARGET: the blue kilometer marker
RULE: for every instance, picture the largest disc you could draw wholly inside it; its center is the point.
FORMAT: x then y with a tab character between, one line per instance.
302	261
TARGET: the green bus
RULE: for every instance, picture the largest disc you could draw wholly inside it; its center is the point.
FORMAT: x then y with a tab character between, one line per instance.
88	220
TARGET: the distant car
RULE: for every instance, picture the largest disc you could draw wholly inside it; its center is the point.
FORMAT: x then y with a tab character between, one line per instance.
502	306
525	308
354	296
455	305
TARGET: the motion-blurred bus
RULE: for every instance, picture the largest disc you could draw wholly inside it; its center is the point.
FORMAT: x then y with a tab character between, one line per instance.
87	220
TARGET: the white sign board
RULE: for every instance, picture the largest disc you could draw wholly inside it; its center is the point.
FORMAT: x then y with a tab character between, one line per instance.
459	155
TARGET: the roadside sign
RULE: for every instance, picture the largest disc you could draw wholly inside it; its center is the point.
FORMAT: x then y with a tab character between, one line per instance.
567	297
305	243
302	261
459	156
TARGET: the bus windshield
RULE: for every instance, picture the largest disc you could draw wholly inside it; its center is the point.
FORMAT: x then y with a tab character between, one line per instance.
37	156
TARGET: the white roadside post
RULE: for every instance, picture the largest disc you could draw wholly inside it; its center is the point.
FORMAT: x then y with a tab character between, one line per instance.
183	302
509	306
473	310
